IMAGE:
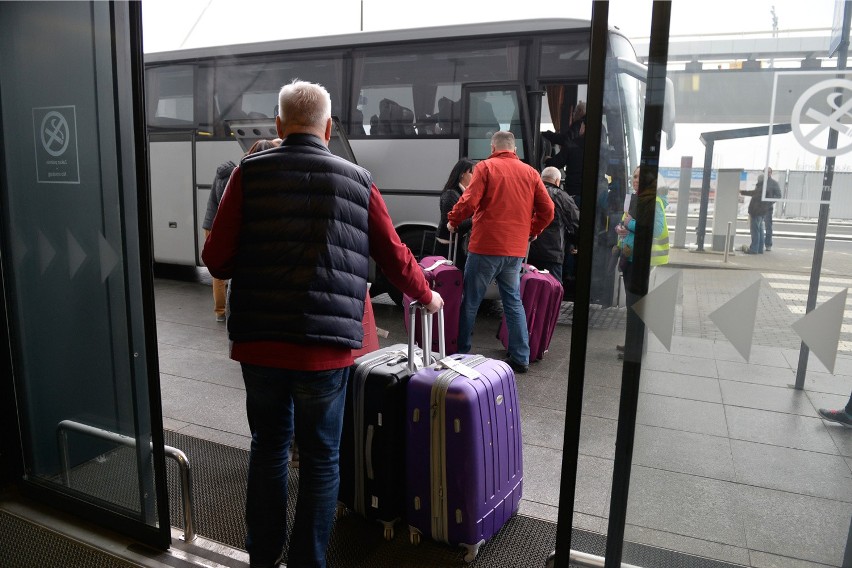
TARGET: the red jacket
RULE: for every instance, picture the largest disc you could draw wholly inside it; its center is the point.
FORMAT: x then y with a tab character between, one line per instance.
395	259
509	204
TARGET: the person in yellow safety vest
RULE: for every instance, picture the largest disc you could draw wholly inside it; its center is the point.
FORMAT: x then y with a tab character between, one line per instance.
647	189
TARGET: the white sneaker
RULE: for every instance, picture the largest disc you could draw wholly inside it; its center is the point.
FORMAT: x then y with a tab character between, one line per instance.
220	318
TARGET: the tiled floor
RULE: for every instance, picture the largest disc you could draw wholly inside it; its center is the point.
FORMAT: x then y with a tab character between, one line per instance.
729	461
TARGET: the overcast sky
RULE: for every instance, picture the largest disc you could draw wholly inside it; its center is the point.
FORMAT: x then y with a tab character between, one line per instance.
175	24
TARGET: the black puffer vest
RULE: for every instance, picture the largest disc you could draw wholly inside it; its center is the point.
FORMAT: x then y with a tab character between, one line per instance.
301	269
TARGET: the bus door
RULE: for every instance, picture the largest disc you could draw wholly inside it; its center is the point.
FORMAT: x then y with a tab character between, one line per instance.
489	107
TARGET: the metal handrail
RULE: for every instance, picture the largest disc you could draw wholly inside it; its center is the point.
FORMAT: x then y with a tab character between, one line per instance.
182	461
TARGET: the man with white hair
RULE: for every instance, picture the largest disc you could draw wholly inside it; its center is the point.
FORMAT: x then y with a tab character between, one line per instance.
509	206
294	233
547	252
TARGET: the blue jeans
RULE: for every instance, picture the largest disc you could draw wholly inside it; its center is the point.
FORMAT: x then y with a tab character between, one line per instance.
756	226
279	403
479	271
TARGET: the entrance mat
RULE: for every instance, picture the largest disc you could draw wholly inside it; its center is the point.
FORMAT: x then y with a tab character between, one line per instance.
24	545
219	482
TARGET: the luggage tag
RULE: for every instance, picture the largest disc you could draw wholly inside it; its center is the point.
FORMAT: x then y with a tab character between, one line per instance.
437	264
460	368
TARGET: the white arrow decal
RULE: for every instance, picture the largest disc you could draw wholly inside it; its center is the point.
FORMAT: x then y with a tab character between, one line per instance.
108	257
820	329
735	318
45	252
657	309
76	255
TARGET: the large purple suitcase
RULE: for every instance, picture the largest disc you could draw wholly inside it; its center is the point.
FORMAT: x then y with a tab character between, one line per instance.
445	278
541	295
372	444
464	451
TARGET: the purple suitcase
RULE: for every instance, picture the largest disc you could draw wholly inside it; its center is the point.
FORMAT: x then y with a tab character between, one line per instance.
464	451
542	296
445	278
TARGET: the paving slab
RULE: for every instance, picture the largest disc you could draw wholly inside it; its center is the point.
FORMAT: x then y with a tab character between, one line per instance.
706	509
779	429
794	471
663	383
792	525
764	397
684	452
681	414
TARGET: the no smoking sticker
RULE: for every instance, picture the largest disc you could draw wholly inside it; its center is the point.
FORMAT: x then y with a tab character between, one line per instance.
55	140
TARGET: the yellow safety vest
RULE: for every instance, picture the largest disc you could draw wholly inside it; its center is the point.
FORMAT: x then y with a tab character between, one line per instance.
660	246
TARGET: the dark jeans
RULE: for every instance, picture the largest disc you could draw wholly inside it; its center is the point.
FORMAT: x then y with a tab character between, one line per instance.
756	227
767	220
280	402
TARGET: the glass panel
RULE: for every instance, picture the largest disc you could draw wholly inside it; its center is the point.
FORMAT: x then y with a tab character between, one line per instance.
561	58
488	112
170	96
250	90
731	461
71	255
416	93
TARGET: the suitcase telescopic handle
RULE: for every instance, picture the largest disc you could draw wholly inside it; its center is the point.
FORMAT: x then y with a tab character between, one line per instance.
426	335
453	248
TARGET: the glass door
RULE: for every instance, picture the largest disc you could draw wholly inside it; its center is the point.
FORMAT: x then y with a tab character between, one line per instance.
708	398
488	108
76	263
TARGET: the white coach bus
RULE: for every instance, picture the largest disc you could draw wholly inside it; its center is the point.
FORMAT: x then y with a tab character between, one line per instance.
407	103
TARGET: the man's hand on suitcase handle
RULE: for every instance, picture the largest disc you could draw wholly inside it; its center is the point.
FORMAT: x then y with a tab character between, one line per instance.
450	227
435	304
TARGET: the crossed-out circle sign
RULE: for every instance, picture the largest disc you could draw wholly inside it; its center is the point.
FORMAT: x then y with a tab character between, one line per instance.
54	133
838	97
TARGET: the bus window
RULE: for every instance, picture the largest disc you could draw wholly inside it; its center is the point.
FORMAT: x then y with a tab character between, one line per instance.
426	83
250	90
170	96
489	111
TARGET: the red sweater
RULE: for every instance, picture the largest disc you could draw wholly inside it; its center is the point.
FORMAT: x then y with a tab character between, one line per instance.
509	204
393	257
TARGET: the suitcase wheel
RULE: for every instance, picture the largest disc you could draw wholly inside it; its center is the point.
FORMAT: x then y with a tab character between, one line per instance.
472	551
414	535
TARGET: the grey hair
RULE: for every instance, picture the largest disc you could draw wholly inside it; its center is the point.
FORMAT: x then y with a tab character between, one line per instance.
551	173
503	140
304	104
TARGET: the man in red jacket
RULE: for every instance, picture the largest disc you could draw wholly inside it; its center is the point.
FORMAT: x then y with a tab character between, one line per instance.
510	206
294	233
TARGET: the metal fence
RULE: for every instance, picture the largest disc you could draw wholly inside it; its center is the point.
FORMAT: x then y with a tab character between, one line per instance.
801	192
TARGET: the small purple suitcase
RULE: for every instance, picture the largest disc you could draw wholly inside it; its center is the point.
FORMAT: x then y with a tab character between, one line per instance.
541	295
464	453
445	278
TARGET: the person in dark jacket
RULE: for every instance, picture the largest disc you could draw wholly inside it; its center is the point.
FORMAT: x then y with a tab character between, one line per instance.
223	173
295	231
757	210
456	184
548	250
773	191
